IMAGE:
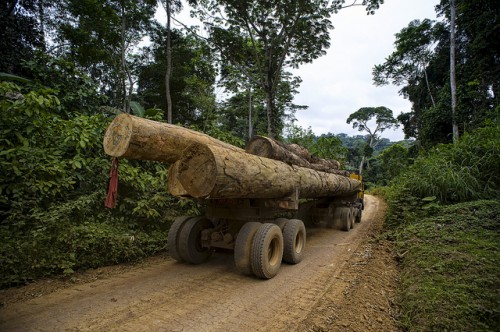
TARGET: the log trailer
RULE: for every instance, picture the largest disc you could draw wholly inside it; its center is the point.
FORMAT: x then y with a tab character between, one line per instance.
257	201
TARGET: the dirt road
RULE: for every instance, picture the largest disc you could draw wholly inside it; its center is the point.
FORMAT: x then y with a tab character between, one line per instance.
168	296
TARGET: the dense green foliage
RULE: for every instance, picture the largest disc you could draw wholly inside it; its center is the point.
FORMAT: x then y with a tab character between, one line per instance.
460	172
52	190
443	206
193	77
420	64
327	146
444	219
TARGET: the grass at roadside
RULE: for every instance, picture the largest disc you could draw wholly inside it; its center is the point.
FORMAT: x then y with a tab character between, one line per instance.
450	257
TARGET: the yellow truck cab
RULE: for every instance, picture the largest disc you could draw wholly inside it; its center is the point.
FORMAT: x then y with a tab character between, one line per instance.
361	192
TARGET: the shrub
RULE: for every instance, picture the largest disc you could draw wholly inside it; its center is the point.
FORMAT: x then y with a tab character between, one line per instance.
458	172
52	190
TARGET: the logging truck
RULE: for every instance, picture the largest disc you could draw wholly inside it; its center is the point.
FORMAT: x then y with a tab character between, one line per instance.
257	200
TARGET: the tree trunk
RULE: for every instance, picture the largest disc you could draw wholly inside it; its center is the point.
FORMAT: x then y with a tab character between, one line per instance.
250	124
126	100
361	165
270	115
209	171
429	87
453	82
168	74
132	137
272	149
291	154
41	15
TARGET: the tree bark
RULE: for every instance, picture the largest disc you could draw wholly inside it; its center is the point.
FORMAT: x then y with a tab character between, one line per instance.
270	148
132	137
215	172
168	73
270	115
292	154
428	87
250	124
126	97
453	82
317	163
41	14
361	165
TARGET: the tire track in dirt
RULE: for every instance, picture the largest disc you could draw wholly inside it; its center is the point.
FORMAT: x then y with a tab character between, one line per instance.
209	297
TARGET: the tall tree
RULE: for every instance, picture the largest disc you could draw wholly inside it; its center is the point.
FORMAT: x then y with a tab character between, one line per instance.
477	28
453	79
281	33
383	120
171	7
193	78
20	34
234	113
419	64
100	36
477	68
410	61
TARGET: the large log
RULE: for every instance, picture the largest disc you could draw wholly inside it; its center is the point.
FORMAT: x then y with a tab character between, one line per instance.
208	171
270	148
291	154
132	137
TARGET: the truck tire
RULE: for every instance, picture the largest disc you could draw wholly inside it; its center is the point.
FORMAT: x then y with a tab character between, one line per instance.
243	247
190	248
267	251
294	238
331	219
173	237
340	218
358	215
281	222
344	217
352	216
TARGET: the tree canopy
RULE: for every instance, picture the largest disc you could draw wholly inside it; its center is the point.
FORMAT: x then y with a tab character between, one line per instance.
421	65
383	120
262	38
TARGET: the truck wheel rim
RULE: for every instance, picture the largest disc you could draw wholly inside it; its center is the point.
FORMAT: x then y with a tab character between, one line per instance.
299	242
273	252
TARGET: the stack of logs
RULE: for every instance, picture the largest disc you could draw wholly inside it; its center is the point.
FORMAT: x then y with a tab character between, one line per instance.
204	167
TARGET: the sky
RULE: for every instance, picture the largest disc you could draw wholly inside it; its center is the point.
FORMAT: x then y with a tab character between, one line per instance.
340	82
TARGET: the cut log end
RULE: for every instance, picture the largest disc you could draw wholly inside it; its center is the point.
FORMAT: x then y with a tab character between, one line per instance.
174	186
117	138
199	170
261	146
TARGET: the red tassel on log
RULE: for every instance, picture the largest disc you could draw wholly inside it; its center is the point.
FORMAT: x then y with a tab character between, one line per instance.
113	185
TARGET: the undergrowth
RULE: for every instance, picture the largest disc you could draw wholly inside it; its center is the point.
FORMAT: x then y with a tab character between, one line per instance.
451	267
444	219
458	172
52	190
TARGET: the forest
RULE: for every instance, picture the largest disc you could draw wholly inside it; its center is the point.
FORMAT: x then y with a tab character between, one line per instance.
68	67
